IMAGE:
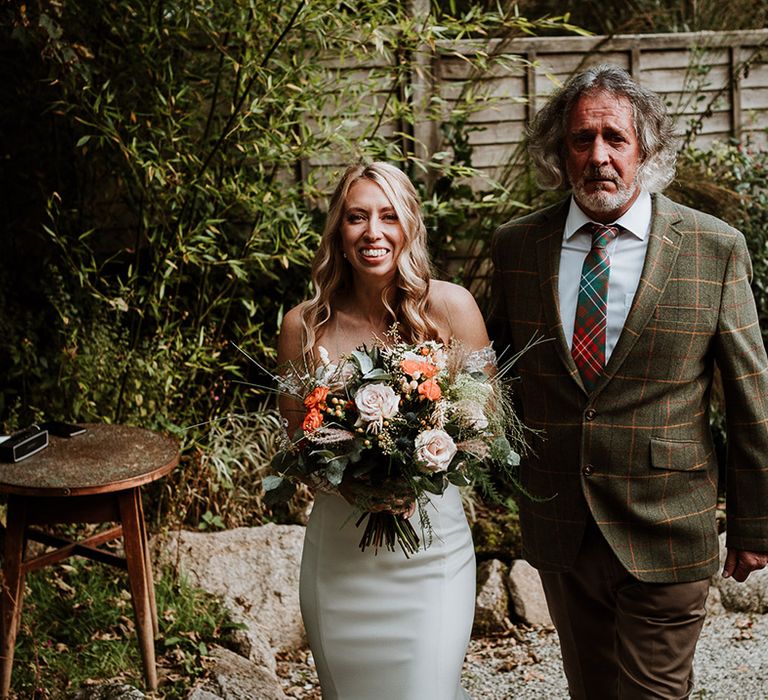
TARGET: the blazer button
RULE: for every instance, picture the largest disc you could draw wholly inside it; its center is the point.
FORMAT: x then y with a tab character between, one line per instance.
588	470
590	414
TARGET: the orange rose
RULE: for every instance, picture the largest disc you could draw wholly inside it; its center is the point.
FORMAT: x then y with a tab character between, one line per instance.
425	369
410	367
316	399
312	421
430	390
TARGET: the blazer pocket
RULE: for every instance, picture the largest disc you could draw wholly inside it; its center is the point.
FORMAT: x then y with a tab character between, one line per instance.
686	314
678	455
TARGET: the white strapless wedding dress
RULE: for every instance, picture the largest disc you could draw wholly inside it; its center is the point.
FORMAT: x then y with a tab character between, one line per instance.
385	627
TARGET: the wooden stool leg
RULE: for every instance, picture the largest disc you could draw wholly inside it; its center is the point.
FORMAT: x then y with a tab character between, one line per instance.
148	568
13	588
130	515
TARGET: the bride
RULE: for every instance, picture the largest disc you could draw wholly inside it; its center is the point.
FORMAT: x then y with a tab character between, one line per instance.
381	626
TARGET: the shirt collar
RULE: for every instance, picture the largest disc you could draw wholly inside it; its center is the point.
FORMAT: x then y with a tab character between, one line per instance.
636	220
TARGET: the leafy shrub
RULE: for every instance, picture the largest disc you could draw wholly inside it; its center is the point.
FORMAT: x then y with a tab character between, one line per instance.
730	181
219	484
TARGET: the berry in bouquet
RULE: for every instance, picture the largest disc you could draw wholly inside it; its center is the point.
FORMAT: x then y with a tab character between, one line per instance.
398	421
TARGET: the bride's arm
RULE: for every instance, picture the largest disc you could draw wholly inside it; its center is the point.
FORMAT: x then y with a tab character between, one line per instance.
290	351
290	359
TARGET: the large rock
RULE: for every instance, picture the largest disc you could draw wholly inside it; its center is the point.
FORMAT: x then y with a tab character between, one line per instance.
256	573
492	601
233	677
250	643
749	596
203	694
527	594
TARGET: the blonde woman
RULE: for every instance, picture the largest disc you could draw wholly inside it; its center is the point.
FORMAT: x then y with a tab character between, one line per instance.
381	626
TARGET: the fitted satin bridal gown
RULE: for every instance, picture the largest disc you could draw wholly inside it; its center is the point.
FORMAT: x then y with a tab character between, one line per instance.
385	627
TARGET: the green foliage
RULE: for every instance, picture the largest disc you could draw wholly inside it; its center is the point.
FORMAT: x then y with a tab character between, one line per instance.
730	181
653	16
220	484
496	533
78	626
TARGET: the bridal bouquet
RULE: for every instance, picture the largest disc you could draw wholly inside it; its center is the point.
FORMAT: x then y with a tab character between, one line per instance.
398	418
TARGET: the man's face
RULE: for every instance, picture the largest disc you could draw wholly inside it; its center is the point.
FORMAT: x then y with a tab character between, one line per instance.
602	155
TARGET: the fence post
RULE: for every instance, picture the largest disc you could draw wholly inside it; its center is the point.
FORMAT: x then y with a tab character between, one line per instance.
422	78
735	68
530	85
635	62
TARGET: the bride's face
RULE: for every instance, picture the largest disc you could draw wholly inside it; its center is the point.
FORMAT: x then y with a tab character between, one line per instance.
371	234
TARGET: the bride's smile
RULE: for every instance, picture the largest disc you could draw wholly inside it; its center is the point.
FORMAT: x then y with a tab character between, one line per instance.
371	232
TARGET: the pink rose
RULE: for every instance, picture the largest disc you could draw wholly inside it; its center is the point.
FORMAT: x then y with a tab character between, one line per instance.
434	450
375	404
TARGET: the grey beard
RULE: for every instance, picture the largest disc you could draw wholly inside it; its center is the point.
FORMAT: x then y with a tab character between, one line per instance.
601	200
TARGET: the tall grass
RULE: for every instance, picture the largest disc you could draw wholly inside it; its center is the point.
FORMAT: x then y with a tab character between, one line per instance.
219	485
77	629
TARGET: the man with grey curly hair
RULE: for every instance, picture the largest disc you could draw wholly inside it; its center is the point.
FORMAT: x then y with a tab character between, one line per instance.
653	128
641	298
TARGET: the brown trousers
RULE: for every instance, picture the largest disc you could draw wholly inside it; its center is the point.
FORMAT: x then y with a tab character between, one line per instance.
622	639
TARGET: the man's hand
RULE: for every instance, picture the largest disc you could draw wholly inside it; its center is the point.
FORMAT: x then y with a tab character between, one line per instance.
740	563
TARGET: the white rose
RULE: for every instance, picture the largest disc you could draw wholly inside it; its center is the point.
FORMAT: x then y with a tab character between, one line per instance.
413	356
434	450
472	414
440	358
375	403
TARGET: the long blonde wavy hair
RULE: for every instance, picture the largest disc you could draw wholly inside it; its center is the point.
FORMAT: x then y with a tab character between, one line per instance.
331	273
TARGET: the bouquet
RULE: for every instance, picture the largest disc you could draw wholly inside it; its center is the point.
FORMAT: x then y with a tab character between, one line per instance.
398	418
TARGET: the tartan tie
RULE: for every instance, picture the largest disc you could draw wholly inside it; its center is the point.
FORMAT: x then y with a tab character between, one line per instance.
588	348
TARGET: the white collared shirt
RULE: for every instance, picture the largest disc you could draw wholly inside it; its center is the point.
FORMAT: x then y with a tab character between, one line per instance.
627	255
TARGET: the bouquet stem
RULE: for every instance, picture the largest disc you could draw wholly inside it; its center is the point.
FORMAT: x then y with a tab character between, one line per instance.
385	529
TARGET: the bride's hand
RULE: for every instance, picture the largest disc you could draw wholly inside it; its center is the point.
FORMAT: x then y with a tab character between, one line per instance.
377	499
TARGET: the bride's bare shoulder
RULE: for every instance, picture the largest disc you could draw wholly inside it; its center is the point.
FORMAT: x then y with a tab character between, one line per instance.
457	314
292	317
454	297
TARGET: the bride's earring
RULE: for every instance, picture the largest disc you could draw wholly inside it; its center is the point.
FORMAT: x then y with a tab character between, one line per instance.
345	256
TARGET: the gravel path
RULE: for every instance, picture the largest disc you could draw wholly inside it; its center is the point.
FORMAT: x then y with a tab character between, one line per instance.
731	663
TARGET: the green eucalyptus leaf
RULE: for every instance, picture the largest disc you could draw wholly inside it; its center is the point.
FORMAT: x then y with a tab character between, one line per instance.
283	462
323	456
281	494
377	373
458	478
334	472
363	361
271	482
434	484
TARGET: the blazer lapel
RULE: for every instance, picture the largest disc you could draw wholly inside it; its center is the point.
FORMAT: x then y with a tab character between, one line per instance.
663	248
548	251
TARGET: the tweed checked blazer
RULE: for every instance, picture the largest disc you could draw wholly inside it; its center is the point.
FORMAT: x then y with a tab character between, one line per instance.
637	452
